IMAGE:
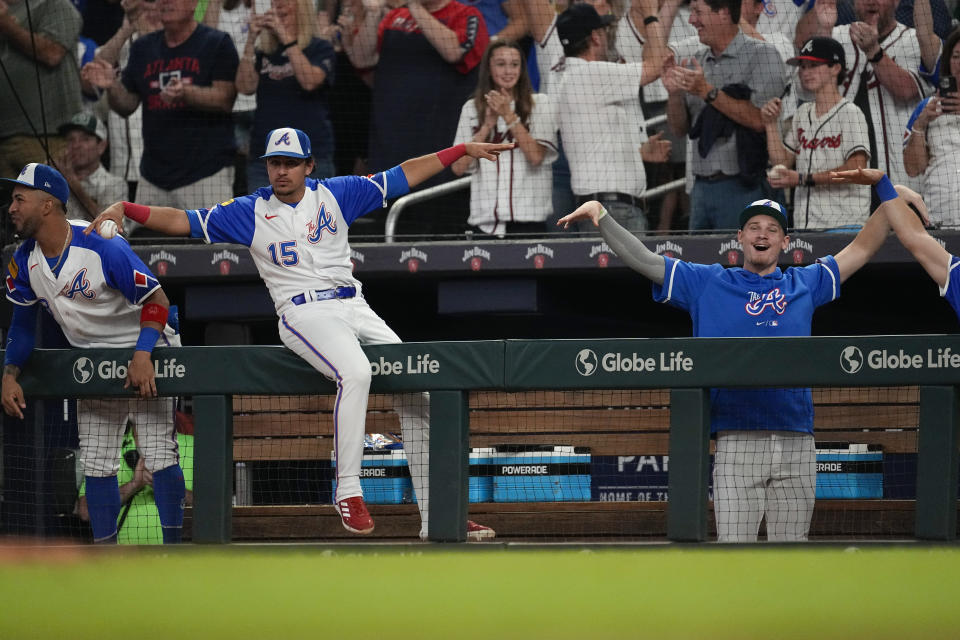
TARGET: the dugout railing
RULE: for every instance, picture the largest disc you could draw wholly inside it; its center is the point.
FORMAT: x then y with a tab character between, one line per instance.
450	370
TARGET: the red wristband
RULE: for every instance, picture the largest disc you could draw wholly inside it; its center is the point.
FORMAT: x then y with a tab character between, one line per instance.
136	212
452	154
153	312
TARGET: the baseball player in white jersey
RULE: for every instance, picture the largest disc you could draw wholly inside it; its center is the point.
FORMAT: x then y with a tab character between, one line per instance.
102	295
828	134
296	230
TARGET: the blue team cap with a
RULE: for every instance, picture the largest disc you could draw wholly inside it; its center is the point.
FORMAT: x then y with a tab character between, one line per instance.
765	208
288	142
40	176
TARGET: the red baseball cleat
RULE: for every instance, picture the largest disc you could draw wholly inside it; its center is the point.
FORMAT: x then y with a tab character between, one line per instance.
354	515
478	532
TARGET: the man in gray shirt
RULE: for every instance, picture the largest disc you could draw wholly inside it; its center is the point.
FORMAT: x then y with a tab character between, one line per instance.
726	83
56	25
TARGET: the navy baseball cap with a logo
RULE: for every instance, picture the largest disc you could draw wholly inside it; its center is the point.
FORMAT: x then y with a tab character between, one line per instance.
40	176
578	22
288	142
820	49
765	208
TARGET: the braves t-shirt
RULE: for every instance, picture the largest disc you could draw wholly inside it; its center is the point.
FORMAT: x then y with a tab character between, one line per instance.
418	94
736	303
282	102
182	144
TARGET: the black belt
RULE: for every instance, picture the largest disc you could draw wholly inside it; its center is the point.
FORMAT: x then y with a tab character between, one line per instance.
325	294
715	177
609	196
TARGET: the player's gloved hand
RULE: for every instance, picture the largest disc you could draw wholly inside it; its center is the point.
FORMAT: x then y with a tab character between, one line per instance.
13	402
113	212
140	375
868	177
591	210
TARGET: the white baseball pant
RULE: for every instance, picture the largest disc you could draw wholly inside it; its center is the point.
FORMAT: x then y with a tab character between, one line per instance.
102	421
764	472
327	334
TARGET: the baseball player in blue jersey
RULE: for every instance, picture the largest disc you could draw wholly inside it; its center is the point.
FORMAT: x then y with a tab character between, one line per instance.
296	230
102	295
765	461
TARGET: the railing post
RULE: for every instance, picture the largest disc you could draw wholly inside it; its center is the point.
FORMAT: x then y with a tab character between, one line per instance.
936	516
449	465
689	464
213	469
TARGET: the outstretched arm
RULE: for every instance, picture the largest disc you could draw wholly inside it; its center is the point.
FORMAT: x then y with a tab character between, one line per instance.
166	220
634	253
418	170
909	228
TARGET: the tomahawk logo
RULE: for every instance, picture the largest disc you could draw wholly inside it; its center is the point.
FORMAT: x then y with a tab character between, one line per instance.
586	362
83	369
851	359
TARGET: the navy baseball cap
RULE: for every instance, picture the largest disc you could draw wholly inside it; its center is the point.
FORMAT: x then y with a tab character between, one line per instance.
821	49
288	142
40	176
765	208
578	22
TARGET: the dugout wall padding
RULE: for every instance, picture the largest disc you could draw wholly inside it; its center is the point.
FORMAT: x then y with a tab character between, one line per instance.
691	364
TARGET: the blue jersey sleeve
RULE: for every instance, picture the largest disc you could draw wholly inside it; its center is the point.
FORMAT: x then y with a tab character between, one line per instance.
913	118
683	282
21	337
124	271
822	278
230	221
19	291
951	289
359	195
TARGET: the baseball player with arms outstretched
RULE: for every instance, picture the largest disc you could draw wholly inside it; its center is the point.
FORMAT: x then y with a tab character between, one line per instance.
102	295
296	230
765	461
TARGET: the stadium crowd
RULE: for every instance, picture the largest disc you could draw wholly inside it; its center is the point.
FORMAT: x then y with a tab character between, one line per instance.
606	100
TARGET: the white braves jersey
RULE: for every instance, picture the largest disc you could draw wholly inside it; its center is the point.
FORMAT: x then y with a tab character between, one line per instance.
941	187
550	59
824	143
300	247
887	116
97	295
511	189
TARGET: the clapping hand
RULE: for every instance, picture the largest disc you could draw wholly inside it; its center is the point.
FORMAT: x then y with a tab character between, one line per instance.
99	73
656	149
172	92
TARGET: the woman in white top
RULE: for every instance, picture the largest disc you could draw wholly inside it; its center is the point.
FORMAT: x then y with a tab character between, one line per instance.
512	195
932	146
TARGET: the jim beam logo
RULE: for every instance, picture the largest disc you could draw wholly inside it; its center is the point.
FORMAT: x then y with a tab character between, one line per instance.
412	257
601	252
669	249
539	253
160	262
476	256
731	249
798	249
356	258
223	259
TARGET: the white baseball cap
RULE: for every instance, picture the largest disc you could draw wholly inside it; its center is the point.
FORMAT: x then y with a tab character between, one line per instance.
288	142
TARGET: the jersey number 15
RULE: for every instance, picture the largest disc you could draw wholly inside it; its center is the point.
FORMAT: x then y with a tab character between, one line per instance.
284	254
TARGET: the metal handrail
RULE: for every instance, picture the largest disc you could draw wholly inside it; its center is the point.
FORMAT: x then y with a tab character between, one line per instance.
393	215
419	196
